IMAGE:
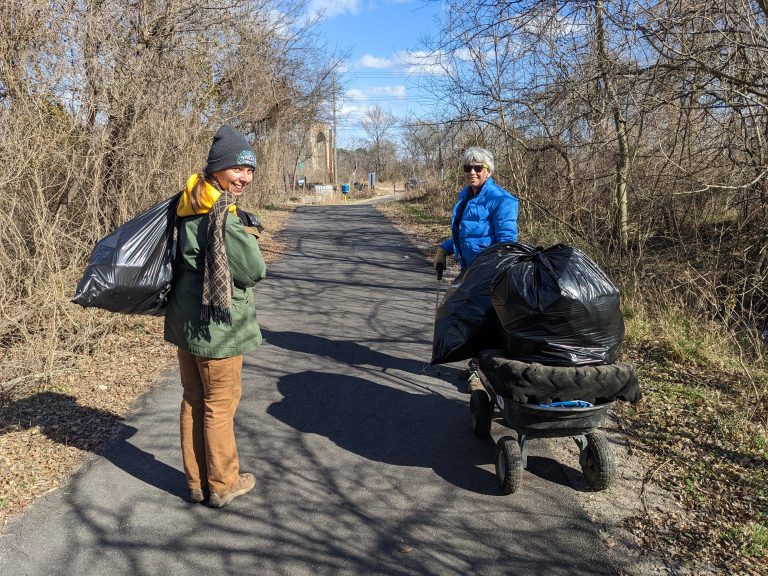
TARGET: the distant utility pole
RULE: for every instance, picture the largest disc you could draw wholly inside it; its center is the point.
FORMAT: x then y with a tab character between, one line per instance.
333	137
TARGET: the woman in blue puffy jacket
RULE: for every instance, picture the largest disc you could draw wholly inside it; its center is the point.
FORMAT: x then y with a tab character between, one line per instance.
485	214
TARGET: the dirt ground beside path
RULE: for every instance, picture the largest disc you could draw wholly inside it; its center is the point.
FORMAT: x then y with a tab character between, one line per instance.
614	509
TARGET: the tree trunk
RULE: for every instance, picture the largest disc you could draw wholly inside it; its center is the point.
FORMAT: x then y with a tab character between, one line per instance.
620	124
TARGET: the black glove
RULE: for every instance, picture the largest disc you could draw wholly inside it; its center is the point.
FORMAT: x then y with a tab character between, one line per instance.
440	262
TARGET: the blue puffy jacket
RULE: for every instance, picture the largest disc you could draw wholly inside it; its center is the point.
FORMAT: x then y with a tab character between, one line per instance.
481	221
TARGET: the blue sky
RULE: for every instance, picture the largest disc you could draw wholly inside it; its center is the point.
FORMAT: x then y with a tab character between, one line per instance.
381	37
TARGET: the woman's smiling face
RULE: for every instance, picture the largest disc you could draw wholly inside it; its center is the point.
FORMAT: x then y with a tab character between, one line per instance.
476	176
235	178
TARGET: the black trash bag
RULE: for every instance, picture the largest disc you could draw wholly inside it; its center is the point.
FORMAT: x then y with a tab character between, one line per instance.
131	269
465	321
250	219
557	307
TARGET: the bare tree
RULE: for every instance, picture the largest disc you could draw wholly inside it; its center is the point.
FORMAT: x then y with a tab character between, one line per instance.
379	126
106	107
626	127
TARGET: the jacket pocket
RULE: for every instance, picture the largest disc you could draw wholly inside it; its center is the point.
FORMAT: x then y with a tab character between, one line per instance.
239	295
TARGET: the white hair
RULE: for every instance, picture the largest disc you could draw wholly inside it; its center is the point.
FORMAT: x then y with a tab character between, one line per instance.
479	155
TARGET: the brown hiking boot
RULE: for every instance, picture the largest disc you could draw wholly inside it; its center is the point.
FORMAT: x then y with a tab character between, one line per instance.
474	382
196	495
245	484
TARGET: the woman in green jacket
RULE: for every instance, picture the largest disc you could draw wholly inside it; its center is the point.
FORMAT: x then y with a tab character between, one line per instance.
211	316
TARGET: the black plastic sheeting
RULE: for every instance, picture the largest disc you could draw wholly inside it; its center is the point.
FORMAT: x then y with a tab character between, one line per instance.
130	270
557	307
465	320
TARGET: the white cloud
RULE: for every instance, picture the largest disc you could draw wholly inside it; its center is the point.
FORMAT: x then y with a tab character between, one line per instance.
352	114
362	94
326	9
465	54
420	62
396	91
369	61
410	62
355	93
349	110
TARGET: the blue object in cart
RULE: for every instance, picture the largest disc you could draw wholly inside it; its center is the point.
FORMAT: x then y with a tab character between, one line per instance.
568	404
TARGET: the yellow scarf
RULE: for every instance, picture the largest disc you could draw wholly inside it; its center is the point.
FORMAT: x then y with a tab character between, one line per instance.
208	198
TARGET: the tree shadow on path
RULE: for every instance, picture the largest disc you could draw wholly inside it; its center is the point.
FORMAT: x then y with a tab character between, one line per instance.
353	353
60	418
389	425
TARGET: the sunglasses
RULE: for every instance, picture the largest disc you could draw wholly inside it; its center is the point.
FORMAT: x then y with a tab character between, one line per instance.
469	168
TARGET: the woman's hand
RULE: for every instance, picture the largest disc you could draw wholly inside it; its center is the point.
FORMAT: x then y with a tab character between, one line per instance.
439	262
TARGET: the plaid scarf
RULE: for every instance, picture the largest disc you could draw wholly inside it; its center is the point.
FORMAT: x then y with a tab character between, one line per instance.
217	278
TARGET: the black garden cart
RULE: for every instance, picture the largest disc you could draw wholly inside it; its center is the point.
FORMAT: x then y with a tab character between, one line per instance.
530	419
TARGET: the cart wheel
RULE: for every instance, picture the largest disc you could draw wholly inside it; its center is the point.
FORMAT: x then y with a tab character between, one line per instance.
597	461
480	412
509	464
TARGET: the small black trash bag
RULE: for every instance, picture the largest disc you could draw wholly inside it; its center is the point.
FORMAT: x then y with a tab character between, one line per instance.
557	307
131	269
465	321
250	219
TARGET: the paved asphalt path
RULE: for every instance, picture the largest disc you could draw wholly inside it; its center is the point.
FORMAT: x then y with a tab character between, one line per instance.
363	454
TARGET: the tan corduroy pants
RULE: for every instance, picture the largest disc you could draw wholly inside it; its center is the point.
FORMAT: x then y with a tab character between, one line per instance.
212	389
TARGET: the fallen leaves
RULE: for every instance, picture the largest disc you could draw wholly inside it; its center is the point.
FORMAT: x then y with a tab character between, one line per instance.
691	424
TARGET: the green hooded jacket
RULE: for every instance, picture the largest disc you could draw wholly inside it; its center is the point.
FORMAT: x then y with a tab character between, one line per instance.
183	326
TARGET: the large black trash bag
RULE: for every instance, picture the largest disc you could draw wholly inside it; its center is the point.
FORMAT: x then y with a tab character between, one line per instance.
465	321
131	269
557	307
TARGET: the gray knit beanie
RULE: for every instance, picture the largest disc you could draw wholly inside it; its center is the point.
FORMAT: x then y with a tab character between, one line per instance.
229	148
